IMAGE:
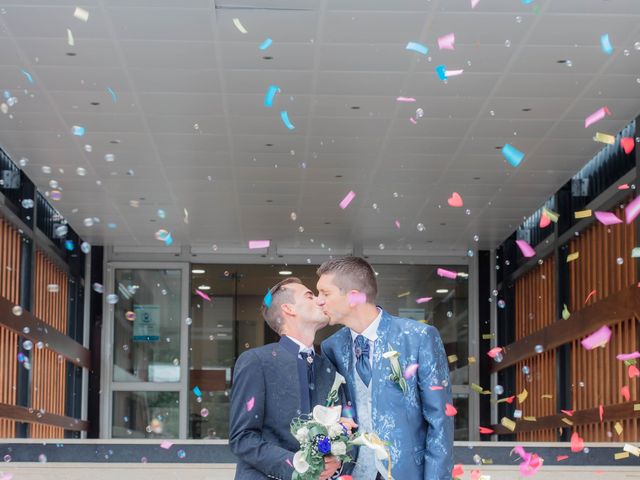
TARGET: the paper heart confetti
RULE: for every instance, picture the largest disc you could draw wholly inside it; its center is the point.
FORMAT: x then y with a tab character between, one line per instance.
627	144
450	410
577	443
457	471
455	200
250	403
545	221
626	394
633	371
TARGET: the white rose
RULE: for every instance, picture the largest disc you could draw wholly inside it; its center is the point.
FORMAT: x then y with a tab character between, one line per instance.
338	448
302	435
299	463
335	430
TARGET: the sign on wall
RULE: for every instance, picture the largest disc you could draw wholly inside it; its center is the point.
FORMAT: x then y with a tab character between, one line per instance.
146	326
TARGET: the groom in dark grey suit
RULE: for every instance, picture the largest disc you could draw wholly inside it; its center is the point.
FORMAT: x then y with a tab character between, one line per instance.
277	382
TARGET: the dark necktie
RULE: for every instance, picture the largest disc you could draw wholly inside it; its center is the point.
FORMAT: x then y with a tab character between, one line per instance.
307	357
363	367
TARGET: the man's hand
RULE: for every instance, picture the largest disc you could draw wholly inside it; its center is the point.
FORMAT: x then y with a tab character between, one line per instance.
331	465
349	424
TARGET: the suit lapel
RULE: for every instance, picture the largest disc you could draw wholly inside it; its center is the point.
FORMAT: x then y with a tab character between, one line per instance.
286	367
348	367
378	367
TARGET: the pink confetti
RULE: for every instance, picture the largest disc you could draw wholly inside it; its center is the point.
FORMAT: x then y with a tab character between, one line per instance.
627	144
628	356
626	394
436	387
347	200
526	249
624	186
591	294
253	244
413	120
450	410
596	116
455	200
632	209
446	42
424	299
474	3
633	371
530	462
446	273
607	218
599	338
493	353
559	458
453	73
203	295
289	463
166	444
406	99
357	298
250	403
397	223
545	221
410	371
577	443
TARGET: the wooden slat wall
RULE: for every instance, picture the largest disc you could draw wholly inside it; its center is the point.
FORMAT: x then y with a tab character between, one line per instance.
596	375
10	245
49	370
535	309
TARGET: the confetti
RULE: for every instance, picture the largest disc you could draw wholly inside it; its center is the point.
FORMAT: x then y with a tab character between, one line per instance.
474	3
488	336
605	44
626	143
114	97
559	458
485	430
271	95
77	131
397	224
522	396
596	116
591	294
441	71
493	353
508	423
577	443
545	221
633	371
405	99
452	358
621	455
410	371
513	155
632	210
457	471
453	73
565	312
623	186
266	44
618	428
628	356
455	200
436	387
446	273
471	360
417	47
239	26
203	295
632	449
607	218
356	298
573	256
27	75
197	391
166	444
582	214
81	14
250	403
568	412
347	200
604	138
267	299
526	249
601	412
553	216
285	119
254	244
530	462
599	338
413	120
70	41
450	410
404	294
446	42
424	299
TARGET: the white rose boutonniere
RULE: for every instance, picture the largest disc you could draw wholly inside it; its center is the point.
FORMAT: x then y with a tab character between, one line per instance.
396	371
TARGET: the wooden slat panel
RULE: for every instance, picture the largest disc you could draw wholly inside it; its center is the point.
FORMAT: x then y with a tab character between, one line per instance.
10	248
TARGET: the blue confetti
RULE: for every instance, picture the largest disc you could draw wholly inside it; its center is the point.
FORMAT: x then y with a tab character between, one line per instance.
441	71
168	241
69	245
114	97
267	299
28	75
7	94
527	2
512	154
285	119
266	44
605	44
197	391
417	47
271	95
77	131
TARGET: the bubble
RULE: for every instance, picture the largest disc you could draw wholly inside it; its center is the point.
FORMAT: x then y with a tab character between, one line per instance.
53	183
27	203
7	458
502	304
374	206
39	345
476	238
449	314
176	362
204	413
569	63
214	247
420	227
181	453
226	273
161	214
17	310
498	389
61	231
395	194
419	113
112	299
477	459
109	157
88	148
23	162
26	330
507	43
525	370
98	288
626	52
188	321
619	260
293	216
585	450
53	288
518	19
494	293
163	291
196	126
85	247
492	113
56	195
636	45
88	222
27	344
162	235
301	229
131	316
538	349
381	246
42	458
467	211
540	262
498	358
469	253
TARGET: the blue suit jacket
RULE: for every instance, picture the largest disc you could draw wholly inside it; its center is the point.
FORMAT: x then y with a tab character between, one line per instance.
261	438
419	434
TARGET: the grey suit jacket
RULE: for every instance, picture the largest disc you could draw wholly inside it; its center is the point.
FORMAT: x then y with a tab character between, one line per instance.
265	397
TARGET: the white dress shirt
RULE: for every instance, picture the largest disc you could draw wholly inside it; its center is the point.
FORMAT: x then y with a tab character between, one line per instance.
370	333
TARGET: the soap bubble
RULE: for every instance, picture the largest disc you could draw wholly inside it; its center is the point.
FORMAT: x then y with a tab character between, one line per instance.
293	216
188	321
498	389
112	299
181	453
419	113
109	157
46	169
131	316
538	349
204	413
61	231
81	171
56	195
502	303
98	288
619	260
381	246
525	370
27	344
17	310
27	203
420	227
88	222
85	247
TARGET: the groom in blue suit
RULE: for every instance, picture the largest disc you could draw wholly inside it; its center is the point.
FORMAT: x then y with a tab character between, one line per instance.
408	410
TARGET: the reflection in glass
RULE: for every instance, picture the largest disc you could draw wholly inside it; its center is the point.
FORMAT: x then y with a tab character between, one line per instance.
146	339
145	414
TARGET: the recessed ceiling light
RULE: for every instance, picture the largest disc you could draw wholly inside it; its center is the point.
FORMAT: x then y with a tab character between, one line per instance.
95	104
285	272
562	61
338	176
268	144
267	57
442	290
204	287
443	224
269	201
476	178
197	270
526	109
115	142
499	147
71	54
355	107
327	223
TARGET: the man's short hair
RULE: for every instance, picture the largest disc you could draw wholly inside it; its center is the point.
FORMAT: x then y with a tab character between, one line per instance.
352	273
280	295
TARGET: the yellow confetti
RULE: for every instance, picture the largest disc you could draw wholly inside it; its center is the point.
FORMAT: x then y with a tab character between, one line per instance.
476	388
487	461
582	214
547	396
239	26
636	407
530	419
621	455
573	256
472	360
488	336
452	358
508	424
632	449
553	216
522	396
404	294
618	428
567	421
565	313
604	138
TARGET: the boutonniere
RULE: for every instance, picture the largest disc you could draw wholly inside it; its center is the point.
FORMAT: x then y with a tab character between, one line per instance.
332	398
396	370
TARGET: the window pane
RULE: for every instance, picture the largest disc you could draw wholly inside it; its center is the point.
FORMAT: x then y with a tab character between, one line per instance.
146	346
461	419
145	414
